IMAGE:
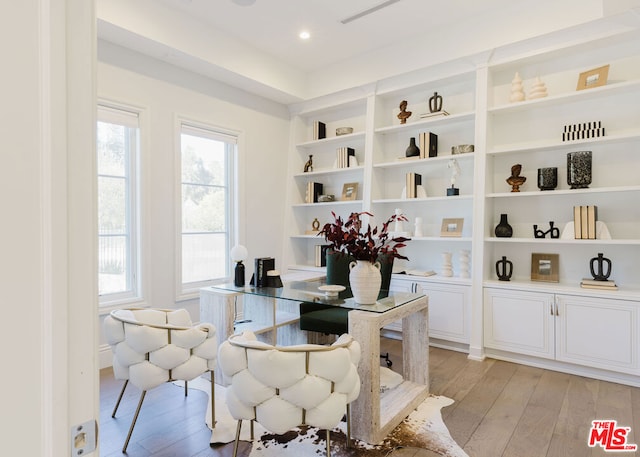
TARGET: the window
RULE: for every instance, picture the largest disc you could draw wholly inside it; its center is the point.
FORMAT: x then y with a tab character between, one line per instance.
207	171
117	150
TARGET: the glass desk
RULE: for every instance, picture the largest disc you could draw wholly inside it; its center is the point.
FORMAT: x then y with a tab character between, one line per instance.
273	313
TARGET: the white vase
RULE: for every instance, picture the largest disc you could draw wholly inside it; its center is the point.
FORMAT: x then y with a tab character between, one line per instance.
365	280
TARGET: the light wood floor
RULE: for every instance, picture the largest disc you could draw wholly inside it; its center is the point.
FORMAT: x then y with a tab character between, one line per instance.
501	409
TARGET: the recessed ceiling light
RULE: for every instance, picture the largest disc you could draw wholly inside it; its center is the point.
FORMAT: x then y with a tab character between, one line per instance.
304	35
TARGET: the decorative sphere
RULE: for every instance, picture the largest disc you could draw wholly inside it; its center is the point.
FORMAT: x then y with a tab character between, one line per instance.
239	253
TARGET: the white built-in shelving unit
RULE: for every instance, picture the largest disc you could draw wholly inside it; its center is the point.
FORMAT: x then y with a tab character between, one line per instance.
478	314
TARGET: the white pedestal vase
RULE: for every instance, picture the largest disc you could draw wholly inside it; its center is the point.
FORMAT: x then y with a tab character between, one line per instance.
365	280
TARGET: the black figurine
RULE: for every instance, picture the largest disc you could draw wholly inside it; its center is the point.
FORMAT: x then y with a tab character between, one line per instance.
308	166
600	261
554	232
435	103
504	269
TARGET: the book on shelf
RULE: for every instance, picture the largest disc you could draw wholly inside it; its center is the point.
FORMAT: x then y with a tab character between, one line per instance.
319	130
262	266
412	181
602	285
343	156
314	190
597	282
428	144
419	272
585	220
321	254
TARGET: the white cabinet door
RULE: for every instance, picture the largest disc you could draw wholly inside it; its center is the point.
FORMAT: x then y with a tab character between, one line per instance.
448	308
521	322
598	332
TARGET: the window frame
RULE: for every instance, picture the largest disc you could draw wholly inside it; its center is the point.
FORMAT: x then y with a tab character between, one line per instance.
109	111
190	290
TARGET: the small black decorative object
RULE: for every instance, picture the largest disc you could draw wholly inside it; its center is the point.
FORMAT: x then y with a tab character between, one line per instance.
435	103
598	263
579	169
452	191
504	269
308	166
503	229
238	279
547	178
412	150
553	232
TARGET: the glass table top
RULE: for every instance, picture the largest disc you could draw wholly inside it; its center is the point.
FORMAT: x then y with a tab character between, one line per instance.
308	291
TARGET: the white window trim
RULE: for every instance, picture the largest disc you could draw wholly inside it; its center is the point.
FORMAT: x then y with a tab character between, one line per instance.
218	133
140	210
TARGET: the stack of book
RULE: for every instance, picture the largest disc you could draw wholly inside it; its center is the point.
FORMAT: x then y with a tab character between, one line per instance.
428	145
314	189
597	284
413	180
321	254
319	130
584	222
343	155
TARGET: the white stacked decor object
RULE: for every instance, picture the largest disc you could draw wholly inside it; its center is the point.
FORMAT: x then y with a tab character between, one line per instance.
538	90
417	231
517	90
447	267
464	264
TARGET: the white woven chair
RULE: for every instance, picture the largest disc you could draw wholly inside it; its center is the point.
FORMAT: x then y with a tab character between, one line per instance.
284	387
154	346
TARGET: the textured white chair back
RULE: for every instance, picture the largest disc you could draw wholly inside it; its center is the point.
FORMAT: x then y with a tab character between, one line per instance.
154	346
284	387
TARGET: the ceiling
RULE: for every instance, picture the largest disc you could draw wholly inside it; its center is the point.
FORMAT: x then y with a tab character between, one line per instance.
255	47
273	25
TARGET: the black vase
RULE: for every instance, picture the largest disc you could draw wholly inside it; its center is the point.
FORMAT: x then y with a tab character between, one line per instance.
579	169
547	178
412	150
338	268
503	229
597	267
504	269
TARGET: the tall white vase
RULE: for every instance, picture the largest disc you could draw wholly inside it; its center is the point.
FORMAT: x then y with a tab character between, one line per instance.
365	280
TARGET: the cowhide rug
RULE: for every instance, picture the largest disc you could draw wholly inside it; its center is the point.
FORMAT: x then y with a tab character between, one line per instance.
423	429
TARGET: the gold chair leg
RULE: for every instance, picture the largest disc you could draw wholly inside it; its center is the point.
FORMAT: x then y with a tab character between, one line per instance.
328	444
213	400
126	382
348	425
133	423
235	443
252	421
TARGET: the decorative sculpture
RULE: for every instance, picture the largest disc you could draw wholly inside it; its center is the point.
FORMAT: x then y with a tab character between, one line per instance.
308	166
538	90
517	90
464	264
403	115
600	261
515	180
504	269
447	267
455	172
554	232
435	103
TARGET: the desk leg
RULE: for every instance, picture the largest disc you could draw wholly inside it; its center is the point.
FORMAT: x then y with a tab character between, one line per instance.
415	352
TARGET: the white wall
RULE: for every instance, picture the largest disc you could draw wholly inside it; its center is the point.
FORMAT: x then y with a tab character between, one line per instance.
164	92
47	235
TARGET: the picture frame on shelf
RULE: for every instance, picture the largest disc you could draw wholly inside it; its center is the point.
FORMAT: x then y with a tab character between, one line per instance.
593	78
350	191
544	267
452	227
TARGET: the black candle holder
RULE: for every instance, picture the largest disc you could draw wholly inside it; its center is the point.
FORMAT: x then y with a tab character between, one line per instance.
597	267
504	269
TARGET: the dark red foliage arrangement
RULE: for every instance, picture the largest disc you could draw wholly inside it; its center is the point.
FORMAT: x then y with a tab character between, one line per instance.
349	238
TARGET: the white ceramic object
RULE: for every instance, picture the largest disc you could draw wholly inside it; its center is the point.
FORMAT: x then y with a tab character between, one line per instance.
538	90
331	290
464	264
447	268
517	89
365	280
